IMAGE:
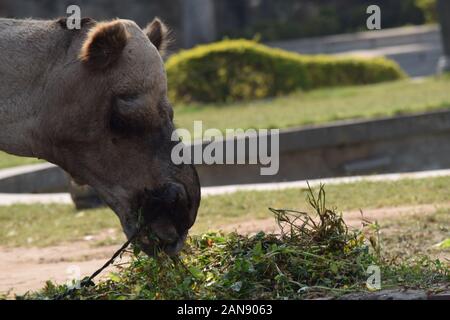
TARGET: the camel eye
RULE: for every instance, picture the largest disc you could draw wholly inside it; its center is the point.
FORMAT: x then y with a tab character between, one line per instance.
127	97
129	114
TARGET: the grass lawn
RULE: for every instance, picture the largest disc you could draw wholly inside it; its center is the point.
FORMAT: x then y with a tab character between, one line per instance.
314	107
322	106
9	161
240	207
418	235
43	225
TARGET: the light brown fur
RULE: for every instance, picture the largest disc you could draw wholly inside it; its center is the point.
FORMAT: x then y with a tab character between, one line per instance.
104	44
93	101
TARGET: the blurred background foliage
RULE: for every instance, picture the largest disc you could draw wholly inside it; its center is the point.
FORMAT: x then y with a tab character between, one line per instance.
429	10
271	20
278	20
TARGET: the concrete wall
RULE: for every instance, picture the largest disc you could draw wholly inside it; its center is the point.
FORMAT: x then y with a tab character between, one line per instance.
40	178
416	49
400	144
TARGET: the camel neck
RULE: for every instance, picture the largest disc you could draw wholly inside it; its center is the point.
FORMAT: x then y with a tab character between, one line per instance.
26	51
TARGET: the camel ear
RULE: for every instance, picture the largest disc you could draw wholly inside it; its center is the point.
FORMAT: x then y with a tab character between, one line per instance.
158	34
104	44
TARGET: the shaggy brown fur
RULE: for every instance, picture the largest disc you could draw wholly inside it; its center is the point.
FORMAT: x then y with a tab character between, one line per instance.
158	34
104	44
84	22
94	101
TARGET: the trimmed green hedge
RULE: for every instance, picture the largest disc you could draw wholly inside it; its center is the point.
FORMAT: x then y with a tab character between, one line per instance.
234	70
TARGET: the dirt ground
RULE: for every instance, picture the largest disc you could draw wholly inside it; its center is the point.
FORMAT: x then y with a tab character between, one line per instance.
24	269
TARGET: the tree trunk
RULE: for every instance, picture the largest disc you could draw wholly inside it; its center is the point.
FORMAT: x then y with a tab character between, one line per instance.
199	22
444	17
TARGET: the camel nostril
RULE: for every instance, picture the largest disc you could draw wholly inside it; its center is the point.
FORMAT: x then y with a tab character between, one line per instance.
164	231
169	240
174	193
175	247
169	200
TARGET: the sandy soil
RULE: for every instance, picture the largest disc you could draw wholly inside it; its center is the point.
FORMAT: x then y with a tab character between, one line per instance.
24	269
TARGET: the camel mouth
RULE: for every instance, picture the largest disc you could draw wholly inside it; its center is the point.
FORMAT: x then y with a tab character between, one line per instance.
152	244
174	248
152	237
164	218
159	219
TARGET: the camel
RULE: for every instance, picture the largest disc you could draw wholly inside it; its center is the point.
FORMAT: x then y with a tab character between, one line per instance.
94	102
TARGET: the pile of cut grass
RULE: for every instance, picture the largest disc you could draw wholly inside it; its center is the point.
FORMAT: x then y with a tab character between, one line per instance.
315	255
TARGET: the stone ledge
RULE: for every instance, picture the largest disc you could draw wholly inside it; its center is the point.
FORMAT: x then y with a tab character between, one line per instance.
397	294
39	178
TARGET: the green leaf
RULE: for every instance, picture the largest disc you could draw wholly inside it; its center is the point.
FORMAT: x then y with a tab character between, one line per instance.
196	273
334	268
444	244
136	251
114	277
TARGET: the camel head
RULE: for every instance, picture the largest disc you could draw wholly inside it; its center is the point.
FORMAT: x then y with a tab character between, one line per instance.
109	124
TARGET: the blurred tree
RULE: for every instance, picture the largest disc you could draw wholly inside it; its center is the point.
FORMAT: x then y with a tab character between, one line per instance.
429	10
198	22
275	20
272	20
